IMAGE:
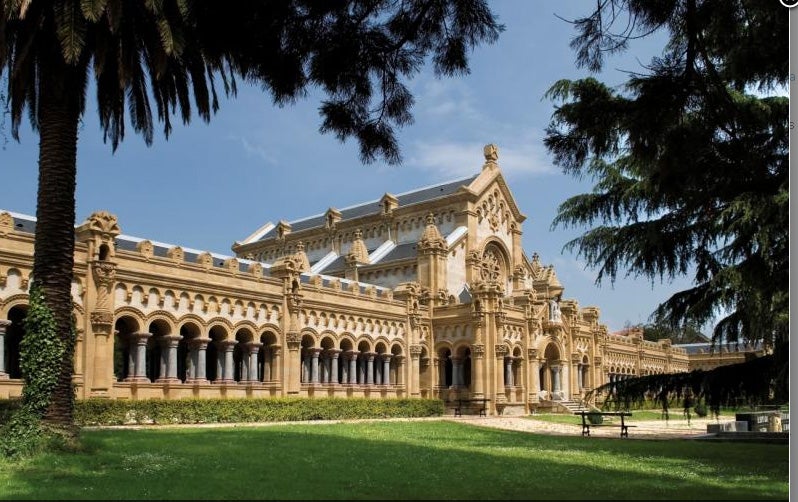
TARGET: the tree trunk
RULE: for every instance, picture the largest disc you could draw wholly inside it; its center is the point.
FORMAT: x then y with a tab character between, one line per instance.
53	255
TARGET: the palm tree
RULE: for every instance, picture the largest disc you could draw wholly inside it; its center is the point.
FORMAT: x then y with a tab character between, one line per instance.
172	53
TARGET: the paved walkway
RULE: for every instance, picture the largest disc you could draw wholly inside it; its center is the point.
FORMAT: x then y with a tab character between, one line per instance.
652	429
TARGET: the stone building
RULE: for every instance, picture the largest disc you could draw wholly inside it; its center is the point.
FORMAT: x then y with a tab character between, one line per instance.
424	294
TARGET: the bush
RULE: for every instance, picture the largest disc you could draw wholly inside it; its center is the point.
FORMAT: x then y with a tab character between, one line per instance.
193	411
700	409
595	418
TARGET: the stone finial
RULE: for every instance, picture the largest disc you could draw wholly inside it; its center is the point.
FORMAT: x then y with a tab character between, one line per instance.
358	251
431	238
491	153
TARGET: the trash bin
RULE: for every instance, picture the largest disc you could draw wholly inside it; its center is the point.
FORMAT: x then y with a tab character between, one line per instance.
758	421
774	422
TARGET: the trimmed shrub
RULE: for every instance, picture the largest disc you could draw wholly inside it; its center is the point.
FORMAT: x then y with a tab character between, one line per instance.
194	411
700	409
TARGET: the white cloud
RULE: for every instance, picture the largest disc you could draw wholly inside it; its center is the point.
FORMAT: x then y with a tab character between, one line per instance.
257	151
461	158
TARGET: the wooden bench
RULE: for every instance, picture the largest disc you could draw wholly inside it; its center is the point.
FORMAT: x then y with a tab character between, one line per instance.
483	408
586	425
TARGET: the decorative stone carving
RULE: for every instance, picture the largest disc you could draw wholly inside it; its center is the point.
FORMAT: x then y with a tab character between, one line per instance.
416	350
176	254
478	350
532	354
145	248
357	251
301	258
101	321
491	153
6	223
431	239
293	340
231	265
104	273
104	222
205	260
256	269
501	350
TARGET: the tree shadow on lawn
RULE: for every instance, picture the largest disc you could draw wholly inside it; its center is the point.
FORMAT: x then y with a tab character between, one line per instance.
397	460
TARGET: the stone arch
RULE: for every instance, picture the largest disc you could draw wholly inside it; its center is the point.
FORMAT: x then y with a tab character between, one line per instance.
160	326
15	313
550	376
268	357
497	262
445	367
221	322
190	329
242	362
128	322
14	301
219	332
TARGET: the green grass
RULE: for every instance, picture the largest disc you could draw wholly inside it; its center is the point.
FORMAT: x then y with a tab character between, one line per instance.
393	460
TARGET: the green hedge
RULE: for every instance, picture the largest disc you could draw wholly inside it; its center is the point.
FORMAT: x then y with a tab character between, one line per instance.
193	411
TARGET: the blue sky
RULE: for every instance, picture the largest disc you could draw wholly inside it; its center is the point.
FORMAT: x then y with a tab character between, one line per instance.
212	184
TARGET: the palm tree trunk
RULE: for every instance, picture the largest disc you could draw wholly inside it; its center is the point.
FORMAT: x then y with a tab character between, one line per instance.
53	256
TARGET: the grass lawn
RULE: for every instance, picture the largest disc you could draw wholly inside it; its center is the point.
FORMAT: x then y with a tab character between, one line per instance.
393	460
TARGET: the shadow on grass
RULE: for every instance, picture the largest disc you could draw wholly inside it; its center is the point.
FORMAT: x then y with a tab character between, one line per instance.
398	460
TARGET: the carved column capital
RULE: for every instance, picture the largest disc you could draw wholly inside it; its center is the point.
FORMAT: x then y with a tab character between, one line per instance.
104	272
101	322
4	325
416	350
501	351
293	340
478	350
532	353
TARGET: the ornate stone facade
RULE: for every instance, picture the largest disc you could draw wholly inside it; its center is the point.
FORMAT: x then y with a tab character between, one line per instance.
426	294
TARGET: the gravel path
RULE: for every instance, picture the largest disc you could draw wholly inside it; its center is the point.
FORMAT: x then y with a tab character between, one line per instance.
653	429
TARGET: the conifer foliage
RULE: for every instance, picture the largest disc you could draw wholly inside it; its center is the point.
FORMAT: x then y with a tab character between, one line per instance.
690	164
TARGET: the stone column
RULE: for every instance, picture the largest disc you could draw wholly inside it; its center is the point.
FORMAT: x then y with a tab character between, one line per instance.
169	358
3	326
198	348
227	369
293	341
253	349
415	370
267	364
139	341
399	362
477	370
386	369
555	377
441	365
457	369
304	366
508	372
501	353
353	367
533	380
314	365
370	368
277	364
334	355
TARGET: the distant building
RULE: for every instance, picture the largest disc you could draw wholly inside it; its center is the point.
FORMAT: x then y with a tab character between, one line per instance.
426	294
706	356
